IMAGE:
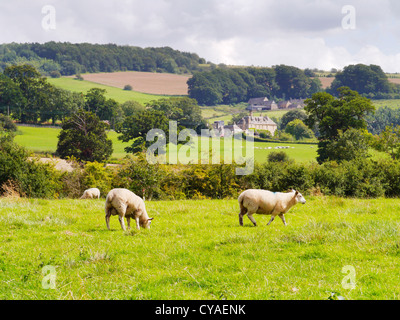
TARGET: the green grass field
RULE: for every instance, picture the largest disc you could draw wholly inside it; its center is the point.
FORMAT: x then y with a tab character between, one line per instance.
41	139
197	250
394	103
117	94
225	112
44	140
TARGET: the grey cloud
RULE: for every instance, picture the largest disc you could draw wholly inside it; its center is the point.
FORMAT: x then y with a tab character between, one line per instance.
241	31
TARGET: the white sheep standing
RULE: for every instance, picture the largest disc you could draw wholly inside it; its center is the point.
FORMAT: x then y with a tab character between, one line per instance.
125	203
91	193
267	202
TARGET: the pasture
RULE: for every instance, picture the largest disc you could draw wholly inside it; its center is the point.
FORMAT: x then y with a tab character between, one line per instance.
197	250
44	140
117	94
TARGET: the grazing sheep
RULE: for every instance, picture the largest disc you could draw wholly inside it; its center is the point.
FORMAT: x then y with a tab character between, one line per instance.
125	203
267	202
91	193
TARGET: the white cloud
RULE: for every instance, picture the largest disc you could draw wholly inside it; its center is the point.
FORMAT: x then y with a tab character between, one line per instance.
304	33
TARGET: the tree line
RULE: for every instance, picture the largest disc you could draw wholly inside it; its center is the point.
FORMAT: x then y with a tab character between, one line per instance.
63	58
28	97
369	81
234	85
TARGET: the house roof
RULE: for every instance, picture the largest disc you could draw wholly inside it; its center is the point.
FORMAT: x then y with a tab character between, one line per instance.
258	101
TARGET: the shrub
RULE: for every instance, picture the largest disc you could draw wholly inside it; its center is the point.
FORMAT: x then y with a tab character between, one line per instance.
96	175
27	177
267	176
296	176
278	156
128	87
7	124
71	184
329	177
140	177
55	74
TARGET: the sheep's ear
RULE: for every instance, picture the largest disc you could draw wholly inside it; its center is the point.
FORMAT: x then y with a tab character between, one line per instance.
150	219
296	192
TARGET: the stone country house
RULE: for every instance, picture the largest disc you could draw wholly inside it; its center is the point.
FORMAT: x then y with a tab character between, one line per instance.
261	104
257	123
245	124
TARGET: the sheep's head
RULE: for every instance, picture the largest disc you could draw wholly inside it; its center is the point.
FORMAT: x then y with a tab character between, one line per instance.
299	197
146	224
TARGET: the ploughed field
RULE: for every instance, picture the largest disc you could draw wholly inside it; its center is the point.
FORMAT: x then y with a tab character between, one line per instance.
326	82
195	249
146	82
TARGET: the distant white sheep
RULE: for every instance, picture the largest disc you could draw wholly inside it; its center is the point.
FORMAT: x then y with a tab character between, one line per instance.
91	193
125	203
267	202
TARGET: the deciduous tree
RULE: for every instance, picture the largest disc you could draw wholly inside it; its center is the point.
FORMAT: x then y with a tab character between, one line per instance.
84	136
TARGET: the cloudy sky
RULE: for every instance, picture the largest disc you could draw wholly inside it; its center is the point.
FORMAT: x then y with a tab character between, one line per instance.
320	34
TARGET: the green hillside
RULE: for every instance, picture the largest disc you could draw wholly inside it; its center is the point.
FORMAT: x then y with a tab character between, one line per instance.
117	94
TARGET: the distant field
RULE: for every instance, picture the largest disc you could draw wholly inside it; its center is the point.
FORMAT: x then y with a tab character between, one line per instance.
117	94
225	112
145	82
326	82
45	140
392	103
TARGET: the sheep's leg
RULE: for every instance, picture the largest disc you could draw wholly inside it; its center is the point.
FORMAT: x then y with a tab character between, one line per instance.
250	215
108	215
243	211
121	221
272	219
128	221
283	219
137	223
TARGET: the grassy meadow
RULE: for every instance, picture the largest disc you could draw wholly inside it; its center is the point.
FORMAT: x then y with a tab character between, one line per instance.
197	250
44	140
117	94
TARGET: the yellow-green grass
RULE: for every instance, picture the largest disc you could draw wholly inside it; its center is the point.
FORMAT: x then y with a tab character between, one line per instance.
392	103
117	94
37	139
197	250
42	139
225	113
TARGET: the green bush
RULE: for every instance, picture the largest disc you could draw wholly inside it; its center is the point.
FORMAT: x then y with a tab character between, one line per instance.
96	175
278	156
71	183
141	177
29	177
